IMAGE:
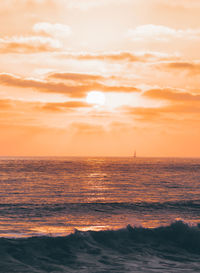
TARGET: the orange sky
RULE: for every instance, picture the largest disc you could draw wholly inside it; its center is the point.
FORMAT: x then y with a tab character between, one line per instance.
141	58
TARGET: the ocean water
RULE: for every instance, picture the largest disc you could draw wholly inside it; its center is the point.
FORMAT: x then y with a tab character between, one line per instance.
99	215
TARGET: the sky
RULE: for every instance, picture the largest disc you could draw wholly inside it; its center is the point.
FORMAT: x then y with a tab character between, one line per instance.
100	78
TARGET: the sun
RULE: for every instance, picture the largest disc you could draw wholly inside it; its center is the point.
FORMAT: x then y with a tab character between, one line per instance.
96	97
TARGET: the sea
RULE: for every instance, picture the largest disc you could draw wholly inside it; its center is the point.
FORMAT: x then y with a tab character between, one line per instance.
99	215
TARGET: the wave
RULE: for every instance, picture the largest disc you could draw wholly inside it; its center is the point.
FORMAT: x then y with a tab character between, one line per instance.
34	209
122	249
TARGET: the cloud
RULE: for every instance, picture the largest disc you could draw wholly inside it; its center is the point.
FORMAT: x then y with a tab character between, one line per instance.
77	91
64	106
87	128
172	112
193	68
162	33
143	112
172	95
120	56
54	30
76	76
42	85
32	44
181	104
8	104
110	56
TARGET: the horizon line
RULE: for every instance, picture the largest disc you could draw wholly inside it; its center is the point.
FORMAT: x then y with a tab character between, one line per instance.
94	156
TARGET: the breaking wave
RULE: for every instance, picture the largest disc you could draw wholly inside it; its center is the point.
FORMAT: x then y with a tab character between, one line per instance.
125	250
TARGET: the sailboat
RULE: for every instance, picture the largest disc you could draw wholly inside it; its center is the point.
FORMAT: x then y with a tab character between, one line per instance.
134	154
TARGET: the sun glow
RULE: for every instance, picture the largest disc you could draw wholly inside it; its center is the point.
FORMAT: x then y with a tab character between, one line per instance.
96	97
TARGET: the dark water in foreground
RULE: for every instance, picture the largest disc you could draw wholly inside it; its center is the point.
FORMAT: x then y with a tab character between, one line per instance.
99	215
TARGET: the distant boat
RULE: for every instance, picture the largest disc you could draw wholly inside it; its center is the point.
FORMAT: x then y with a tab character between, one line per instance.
134	154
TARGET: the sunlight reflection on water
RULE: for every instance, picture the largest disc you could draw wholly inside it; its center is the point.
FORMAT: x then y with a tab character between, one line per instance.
59	195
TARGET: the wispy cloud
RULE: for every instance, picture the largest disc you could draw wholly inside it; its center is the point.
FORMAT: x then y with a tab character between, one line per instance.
33	44
120	56
191	67
171	112
54	30
76	76
43	85
62	106
162	33
77	90
87	128
11	107
172	95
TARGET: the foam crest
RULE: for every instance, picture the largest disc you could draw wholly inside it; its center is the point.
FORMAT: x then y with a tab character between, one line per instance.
90	248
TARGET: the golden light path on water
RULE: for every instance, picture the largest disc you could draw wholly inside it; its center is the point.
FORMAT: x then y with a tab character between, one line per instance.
62	195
